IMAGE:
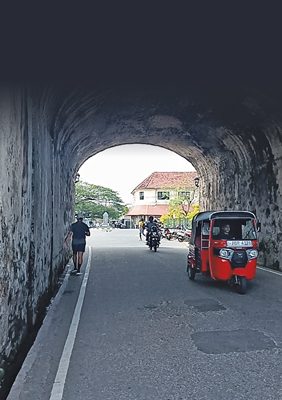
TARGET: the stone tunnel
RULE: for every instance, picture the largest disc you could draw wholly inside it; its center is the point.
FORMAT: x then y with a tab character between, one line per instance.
231	134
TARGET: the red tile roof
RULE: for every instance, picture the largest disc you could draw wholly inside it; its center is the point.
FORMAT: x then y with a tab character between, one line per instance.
154	210
167	180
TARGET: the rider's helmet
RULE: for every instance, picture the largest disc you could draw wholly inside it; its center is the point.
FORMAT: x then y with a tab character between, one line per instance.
151	219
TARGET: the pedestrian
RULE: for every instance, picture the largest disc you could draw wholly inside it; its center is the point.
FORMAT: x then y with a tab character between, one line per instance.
141	228
78	231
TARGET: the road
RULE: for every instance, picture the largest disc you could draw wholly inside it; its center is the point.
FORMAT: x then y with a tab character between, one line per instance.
133	327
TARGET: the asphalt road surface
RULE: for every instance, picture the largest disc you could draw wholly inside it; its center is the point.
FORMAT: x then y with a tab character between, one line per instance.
134	327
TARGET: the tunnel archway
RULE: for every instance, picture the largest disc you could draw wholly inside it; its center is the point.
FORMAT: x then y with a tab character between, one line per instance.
231	134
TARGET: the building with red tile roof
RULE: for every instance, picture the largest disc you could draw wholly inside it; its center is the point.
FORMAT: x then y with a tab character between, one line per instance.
167	180
151	196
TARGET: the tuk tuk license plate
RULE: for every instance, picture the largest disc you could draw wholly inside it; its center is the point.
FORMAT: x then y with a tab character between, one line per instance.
239	243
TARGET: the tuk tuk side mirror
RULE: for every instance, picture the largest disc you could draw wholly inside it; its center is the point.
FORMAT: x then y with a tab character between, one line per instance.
215	230
206	229
258	226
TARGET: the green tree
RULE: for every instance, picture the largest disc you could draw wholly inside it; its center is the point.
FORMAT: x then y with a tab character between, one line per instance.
93	200
180	203
181	207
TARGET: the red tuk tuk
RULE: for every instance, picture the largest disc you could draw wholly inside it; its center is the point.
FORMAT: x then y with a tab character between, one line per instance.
224	246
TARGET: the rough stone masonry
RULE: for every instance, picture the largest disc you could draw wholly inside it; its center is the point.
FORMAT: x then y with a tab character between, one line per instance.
231	135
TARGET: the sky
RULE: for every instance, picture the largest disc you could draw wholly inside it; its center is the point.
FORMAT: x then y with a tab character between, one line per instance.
122	168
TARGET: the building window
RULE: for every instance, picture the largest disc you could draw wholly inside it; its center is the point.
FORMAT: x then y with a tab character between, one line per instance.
163	195
141	195
184	194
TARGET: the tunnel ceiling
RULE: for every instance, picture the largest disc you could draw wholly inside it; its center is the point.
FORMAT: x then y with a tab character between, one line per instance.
200	123
206	44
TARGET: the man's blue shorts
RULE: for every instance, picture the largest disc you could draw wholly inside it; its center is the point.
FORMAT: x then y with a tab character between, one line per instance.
78	248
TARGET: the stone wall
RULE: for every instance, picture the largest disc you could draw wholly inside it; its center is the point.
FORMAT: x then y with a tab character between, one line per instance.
31	236
246	175
16	221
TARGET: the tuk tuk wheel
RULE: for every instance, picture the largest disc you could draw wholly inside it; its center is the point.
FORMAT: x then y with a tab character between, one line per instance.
191	272
242	285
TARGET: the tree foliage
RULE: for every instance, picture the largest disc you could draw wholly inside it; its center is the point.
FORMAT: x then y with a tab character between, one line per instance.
93	200
181	206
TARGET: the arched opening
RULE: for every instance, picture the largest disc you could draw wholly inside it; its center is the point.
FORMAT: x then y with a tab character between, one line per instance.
117	172
230	134
123	167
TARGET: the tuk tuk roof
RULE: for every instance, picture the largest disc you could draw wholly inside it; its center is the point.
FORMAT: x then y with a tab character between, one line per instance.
202	216
232	215
208	215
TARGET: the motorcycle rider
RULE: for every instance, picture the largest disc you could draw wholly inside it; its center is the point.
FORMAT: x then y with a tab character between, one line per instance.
149	226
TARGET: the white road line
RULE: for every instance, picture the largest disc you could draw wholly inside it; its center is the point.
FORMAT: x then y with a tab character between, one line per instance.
270	270
60	379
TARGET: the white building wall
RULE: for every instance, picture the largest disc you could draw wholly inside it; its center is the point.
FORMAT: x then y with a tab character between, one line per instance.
150	197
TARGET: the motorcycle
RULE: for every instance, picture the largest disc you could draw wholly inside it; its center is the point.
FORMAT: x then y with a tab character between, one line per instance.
153	238
224	246
167	234
184	235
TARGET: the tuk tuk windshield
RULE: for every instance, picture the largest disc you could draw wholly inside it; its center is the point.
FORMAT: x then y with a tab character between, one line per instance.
234	229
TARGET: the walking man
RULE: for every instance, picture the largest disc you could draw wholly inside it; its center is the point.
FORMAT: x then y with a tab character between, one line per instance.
78	231
141	228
